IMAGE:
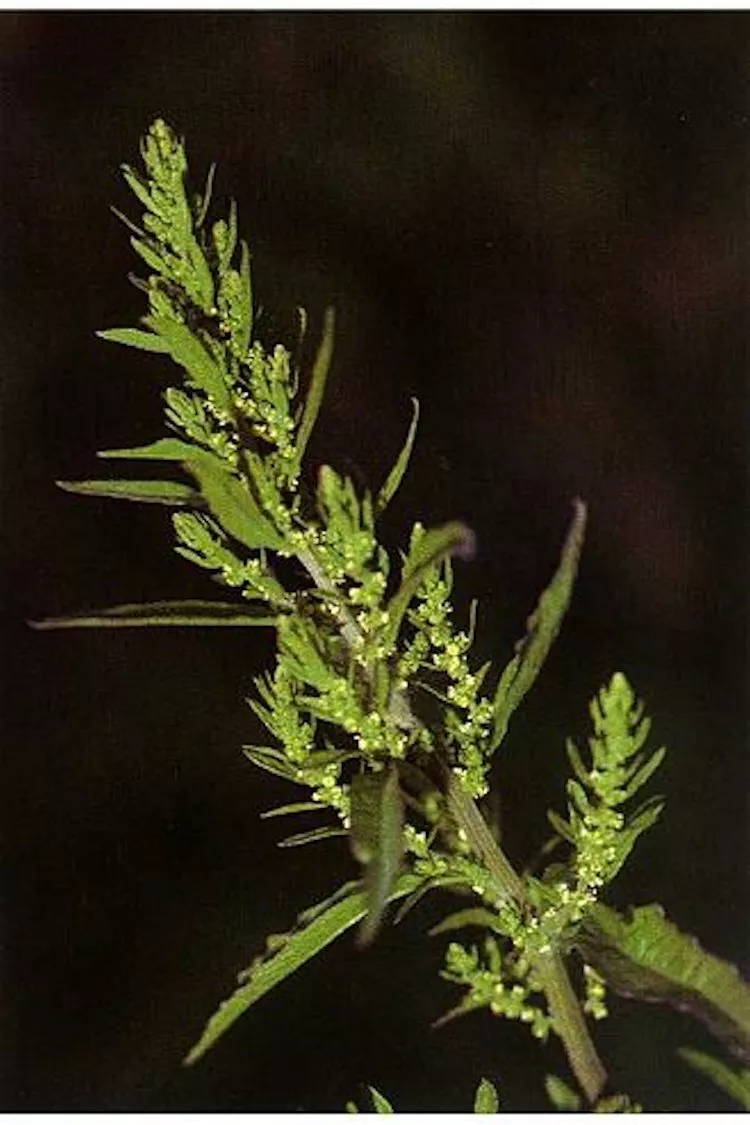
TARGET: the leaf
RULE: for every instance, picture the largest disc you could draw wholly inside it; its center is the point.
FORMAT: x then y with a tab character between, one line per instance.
317	384
561	827
161	613
379	1101
734	1083
472	916
431	548
186	350
272	760
436	882
543	627
144	491
135	338
287	810
231	502
377	840
312	837
394	478
244	308
645	957
302	945
486	1099
560	1094
205	199
165	449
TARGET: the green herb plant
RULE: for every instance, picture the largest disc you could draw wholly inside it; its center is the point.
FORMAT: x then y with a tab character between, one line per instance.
363	635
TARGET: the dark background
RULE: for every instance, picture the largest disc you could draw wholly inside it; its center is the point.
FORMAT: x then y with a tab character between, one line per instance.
535	222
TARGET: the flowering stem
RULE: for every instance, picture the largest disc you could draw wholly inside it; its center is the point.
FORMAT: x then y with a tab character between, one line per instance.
564	1008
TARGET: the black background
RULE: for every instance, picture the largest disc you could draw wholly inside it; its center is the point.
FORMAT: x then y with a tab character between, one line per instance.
536	223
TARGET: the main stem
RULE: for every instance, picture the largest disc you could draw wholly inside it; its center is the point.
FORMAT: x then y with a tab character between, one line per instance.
564	1008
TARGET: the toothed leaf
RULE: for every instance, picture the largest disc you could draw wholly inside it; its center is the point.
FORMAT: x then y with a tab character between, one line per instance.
647	958
323	927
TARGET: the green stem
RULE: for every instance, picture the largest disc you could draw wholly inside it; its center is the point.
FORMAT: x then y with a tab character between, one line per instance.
564	1008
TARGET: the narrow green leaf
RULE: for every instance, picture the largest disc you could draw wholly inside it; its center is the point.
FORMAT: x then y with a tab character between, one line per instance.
646	957
165	449
735	1083
472	916
394	478
317	386
543	627
245	305
135	338
145	491
231	502
486	1099
561	827
379	1101
136	185
641	776
434	545
272	760
150	256
162	613
435	883
205	199
312	837
377	839
301	946
560	1094
287	810
132	227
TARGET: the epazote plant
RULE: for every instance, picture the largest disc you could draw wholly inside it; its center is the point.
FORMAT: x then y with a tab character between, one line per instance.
362	638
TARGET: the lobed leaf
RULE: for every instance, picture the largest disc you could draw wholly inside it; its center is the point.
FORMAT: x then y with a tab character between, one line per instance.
646	957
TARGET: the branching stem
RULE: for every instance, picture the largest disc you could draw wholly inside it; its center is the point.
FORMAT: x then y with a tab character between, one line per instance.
564	1008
